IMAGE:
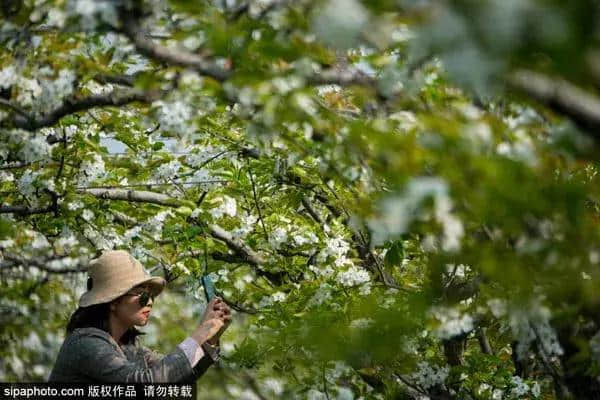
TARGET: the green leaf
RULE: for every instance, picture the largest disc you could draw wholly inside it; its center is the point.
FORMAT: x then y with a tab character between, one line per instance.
395	254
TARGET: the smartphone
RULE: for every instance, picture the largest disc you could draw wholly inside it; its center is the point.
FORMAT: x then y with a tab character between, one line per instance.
209	288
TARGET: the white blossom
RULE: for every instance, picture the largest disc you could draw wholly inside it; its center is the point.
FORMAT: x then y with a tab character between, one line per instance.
74	205
6	176
522	149
26	184
91	170
173	116
453	229
519	386
428	376
228	206
365	289
407	120
91	11
353	276
200	157
306	238
64	262
265	301
479	133
278	237
340	21
397	212
278	297
56	17
154	225
361	323
452	322
247	222
29	90
132	233
40	242
337	248
459	271
87	214
6	243
8	76
320	270
55	90
532	322
66	241
203	179
322	294
168	170
483	388
314	394
274	385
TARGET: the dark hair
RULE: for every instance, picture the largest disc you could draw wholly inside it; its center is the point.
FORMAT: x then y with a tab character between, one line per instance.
96	316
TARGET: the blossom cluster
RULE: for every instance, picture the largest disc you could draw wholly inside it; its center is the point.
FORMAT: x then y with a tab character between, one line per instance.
30	184
335	247
91	170
247	222
34	149
451	322
533	323
521	388
428	376
167	171
203	179
353	276
228	206
397	213
92	12
199	158
321	295
154	225
174	116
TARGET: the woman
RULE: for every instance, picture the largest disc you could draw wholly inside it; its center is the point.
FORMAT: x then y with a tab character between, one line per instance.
101	344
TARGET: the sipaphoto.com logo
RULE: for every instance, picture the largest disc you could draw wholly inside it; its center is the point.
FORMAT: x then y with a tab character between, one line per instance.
41	391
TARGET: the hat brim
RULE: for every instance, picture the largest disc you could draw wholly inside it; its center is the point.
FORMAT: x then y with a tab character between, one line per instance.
156	284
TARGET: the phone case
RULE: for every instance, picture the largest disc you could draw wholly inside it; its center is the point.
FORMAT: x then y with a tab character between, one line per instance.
209	288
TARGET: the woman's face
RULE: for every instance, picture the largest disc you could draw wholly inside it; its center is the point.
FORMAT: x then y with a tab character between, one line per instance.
128	309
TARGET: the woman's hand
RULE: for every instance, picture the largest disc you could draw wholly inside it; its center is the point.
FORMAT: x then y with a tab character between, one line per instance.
224	312
207	330
216	309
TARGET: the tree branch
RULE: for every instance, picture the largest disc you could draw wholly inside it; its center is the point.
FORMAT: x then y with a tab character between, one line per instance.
260	217
342	77
138	196
16	262
23	210
73	104
484	343
561	96
124	80
311	210
14	107
179	56
240	248
247	254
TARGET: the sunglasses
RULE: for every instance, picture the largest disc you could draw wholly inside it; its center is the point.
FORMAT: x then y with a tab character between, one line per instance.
144	297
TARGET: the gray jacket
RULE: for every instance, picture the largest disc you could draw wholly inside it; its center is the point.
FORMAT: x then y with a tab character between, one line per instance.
92	355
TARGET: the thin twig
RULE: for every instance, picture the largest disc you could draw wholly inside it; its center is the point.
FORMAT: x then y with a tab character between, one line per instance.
257	205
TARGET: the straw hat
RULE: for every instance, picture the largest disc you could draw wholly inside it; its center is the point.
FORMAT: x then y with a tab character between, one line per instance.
113	274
